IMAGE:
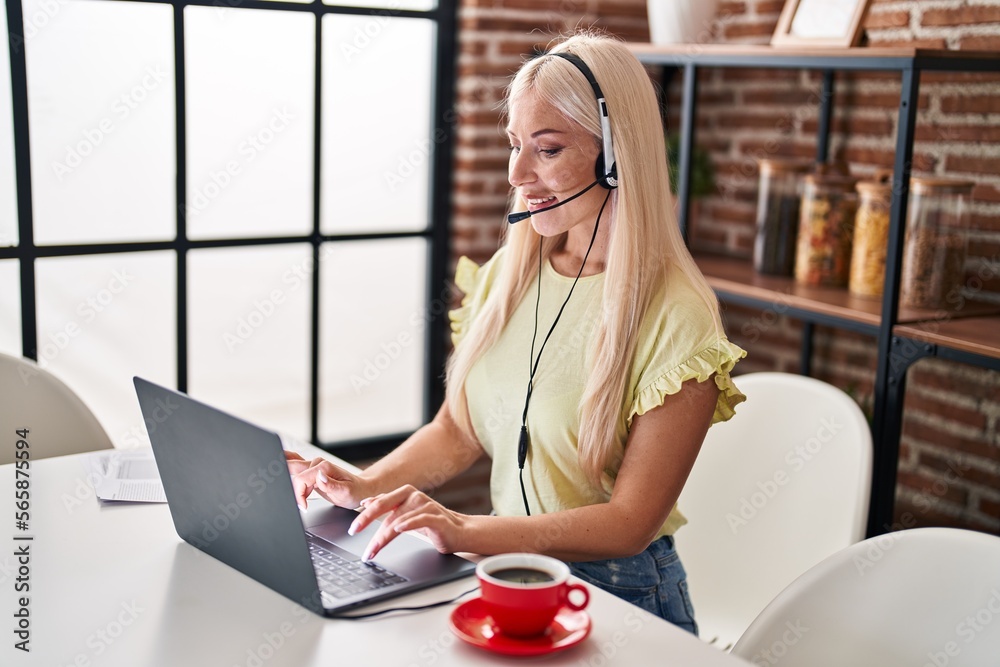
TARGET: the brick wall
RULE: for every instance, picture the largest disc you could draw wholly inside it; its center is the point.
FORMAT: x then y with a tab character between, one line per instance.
950	459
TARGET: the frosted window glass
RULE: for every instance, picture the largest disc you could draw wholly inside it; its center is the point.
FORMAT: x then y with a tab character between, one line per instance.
101	98
103	319
417	5
8	195
250	100
249	333
10	307
373	321
378	84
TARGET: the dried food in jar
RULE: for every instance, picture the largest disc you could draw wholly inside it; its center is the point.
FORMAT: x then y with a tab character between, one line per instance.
871	236
826	226
936	238
778	210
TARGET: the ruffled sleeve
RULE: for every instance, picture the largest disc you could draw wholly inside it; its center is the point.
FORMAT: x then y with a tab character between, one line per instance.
717	358
465	280
475	282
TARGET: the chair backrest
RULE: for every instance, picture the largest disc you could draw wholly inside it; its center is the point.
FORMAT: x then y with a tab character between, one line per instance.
58	421
926	597
774	491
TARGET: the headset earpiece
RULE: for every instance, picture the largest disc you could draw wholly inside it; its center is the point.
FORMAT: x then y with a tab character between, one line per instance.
606	179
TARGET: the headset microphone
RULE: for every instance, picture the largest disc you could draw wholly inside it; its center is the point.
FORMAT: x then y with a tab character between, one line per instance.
524	215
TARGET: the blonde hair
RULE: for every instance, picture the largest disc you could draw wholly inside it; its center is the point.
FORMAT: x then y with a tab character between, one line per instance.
644	240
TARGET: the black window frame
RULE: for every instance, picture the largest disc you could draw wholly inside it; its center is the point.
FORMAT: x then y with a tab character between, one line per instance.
437	233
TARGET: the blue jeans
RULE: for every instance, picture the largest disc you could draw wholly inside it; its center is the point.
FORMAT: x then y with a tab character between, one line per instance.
654	580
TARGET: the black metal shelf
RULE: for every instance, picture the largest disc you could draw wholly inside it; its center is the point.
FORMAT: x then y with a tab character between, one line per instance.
890	372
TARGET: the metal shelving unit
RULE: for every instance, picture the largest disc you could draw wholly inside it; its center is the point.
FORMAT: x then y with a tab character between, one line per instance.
902	335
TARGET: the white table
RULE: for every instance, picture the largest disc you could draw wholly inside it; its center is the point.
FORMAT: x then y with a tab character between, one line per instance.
113	585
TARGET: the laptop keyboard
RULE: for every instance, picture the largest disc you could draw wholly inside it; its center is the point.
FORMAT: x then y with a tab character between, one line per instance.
344	578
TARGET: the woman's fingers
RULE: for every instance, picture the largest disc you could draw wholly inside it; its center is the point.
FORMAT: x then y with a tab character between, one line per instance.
379	505
405	509
296	463
337	485
303	484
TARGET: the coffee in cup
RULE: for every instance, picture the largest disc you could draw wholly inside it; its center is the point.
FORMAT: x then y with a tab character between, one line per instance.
523	592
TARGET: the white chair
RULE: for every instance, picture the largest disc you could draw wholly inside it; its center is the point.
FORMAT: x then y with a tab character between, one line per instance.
58	421
774	491
926	596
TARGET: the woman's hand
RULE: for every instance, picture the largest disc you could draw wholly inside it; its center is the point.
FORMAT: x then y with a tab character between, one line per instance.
296	463
408	508
339	486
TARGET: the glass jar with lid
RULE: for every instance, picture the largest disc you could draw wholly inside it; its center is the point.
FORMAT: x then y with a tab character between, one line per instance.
871	235
826	225
778	203
936	242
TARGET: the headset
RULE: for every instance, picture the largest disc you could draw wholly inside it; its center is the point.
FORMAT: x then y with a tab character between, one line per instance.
605	169
607	177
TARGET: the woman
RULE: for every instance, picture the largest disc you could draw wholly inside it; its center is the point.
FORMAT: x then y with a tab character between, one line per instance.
594	307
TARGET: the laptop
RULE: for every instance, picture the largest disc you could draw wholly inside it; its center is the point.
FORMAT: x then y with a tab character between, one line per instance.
230	495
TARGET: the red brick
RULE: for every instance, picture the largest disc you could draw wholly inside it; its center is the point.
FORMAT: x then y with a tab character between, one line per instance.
477	210
781	97
989	507
480	70
469	188
745	120
521	47
886	158
959	77
853	125
897	19
470	48
482	164
947	411
770	6
976	476
741	215
615	8
733	8
987	223
985	193
944	377
980	43
716	98
933	487
974	15
957	133
972	165
756	29
931	43
887	100
941	438
970	104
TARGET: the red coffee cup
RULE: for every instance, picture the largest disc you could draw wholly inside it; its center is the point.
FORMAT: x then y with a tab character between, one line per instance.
523	592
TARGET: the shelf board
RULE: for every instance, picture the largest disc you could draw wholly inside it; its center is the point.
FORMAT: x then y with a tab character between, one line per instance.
735	277
875	58
975	335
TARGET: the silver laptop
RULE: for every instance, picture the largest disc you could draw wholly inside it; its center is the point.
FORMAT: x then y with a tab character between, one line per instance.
230	495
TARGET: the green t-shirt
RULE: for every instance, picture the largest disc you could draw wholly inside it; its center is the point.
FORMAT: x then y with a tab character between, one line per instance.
679	340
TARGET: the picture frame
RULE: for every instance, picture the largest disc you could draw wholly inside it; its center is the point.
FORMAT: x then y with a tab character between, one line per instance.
820	23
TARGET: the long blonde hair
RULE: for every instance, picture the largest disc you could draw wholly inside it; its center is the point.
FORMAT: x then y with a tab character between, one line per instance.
644	241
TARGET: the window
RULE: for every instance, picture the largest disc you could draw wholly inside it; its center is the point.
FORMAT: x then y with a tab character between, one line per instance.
247	201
